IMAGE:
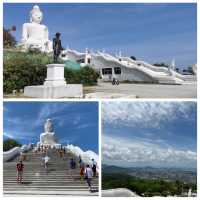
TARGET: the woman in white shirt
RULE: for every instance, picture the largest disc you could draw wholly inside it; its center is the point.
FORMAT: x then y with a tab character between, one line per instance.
88	176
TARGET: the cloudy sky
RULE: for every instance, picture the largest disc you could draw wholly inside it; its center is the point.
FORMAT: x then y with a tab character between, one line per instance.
152	32
157	134
74	122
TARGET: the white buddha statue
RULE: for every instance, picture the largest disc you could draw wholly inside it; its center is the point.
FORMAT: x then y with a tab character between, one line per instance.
34	34
48	137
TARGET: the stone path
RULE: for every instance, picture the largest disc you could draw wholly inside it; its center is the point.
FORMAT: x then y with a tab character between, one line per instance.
57	180
103	89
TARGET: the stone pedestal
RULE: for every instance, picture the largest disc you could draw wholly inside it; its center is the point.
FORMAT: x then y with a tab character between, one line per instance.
55	75
55	85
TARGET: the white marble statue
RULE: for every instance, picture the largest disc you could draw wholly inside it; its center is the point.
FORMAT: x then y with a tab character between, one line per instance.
48	126
34	34
48	137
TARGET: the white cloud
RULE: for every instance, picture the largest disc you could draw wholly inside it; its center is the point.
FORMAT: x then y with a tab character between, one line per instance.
49	109
19	134
127	152
8	135
145	114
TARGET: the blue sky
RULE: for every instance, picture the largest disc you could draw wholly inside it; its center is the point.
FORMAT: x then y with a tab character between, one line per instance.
157	134
74	122
151	32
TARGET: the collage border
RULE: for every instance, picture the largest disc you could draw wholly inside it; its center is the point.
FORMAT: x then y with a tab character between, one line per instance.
99	100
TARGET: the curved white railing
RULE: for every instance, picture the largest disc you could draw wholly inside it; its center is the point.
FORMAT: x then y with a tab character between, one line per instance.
118	192
86	156
72	54
163	75
7	155
159	69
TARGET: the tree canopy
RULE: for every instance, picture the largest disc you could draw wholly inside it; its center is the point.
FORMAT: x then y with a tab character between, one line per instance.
133	57
162	64
9	144
8	39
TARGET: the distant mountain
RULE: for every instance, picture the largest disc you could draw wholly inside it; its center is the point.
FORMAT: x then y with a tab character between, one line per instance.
152	173
114	168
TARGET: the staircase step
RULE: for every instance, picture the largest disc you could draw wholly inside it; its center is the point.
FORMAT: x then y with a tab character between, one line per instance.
58	179
47	193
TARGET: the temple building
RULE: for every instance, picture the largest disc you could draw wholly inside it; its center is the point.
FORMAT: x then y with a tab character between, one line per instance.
126	69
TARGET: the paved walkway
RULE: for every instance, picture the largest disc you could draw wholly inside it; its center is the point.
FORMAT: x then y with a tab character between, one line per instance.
187	90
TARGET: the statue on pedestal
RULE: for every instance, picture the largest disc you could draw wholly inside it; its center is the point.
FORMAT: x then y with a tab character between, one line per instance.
35	36
48	137
57	47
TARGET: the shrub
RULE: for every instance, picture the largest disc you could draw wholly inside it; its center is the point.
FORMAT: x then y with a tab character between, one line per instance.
85	76
24	69
88	76
9	144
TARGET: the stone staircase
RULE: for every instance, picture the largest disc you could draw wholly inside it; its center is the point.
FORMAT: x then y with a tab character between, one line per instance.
57	179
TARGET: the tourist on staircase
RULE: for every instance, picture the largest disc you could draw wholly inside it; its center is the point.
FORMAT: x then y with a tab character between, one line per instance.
80	161
72	164
20	168
46	161
82	170
94	167
61	153
23	156
88	176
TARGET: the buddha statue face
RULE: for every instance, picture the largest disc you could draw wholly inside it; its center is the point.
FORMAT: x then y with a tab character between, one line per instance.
48	126
36	15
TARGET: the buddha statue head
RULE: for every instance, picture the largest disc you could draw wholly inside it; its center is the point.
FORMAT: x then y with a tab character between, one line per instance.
48	126
36	15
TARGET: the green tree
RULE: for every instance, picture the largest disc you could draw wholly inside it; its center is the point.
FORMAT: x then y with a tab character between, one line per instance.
133	57
9	144
8	39
162	64
23	69
190	70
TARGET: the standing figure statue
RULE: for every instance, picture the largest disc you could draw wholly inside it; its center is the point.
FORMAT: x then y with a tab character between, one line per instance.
57	47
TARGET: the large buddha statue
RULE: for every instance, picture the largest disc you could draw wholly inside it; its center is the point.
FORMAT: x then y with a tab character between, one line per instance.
48	137
34	34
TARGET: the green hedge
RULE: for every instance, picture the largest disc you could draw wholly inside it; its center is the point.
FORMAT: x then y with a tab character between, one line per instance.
86	76
24	69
